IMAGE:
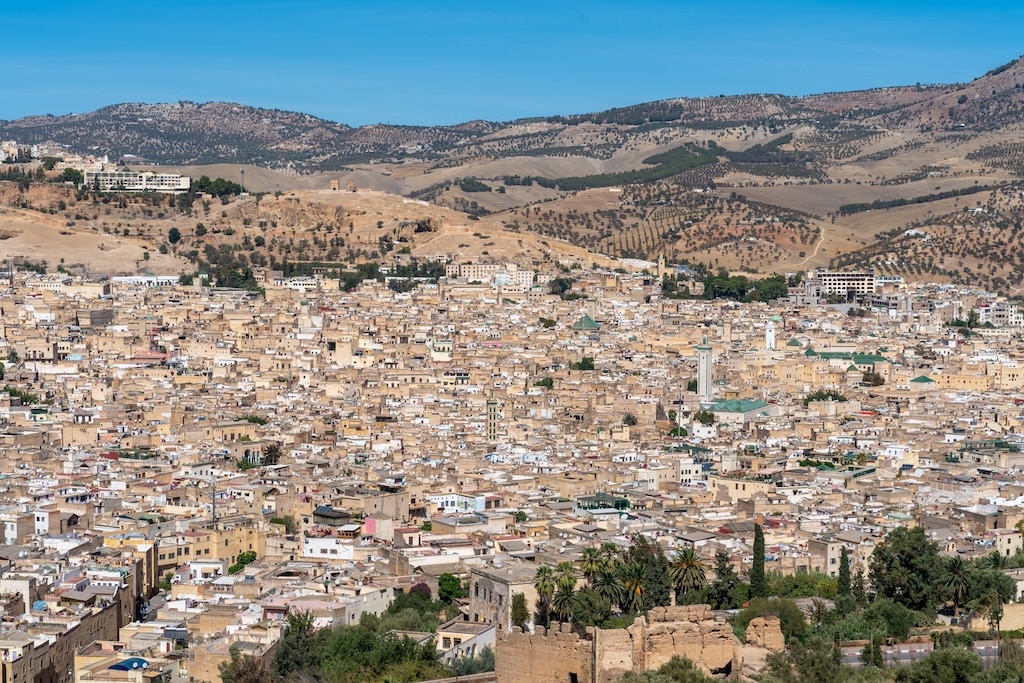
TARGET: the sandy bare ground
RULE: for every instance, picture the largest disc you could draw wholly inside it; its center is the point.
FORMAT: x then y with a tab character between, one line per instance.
30	237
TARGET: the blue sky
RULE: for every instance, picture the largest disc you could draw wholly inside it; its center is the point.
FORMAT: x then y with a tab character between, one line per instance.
446	62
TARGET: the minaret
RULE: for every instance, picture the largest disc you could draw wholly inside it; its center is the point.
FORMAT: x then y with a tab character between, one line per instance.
769	336
704	371
493	419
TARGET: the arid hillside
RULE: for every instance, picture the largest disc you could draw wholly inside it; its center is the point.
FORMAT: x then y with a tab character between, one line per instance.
60	228
756	183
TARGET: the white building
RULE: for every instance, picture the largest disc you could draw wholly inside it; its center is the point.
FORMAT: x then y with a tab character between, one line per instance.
131	181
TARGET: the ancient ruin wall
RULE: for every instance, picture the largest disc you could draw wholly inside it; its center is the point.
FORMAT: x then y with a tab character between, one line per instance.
555	656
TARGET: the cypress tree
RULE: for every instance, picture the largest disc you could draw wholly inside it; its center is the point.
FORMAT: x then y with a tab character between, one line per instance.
758	584
845	587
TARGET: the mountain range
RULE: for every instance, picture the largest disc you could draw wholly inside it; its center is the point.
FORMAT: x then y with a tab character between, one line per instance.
888	178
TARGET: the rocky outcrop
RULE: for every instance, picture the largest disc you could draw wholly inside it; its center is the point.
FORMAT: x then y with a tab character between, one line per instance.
765	632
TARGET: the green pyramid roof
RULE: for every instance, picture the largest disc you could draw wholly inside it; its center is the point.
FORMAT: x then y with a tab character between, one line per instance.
586	323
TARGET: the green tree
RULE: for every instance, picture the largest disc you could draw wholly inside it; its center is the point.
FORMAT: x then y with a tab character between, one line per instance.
244	669
565	573
449	587
844	587
872	379
586	363
705	417
288	521
947	665
995	560
676	670
520	612
687	571
817	661
545	584
860	593
480	663
791	620
758	584
297	651
955	576
630	420
272	454
824	395
721	592
905	567
174	235
591	563
983	583
608	585
871	654
655	583
560	285
896	619
72	175
634	587
995	614
590	609
563	602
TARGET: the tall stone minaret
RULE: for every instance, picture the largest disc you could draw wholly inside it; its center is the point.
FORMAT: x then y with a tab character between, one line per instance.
704	368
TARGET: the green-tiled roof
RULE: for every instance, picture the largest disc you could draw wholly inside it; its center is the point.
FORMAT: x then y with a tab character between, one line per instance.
586	323
741	405
856	358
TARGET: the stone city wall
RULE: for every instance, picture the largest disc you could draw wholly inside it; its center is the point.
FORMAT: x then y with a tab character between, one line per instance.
557	655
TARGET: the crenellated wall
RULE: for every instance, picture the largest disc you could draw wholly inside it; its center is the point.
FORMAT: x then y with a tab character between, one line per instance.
557	655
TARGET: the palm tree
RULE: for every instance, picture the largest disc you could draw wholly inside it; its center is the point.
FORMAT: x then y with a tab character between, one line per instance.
610	555
608	586
565	572
634	588
996	560
591	563
688	571
544	583
564	600
954	579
